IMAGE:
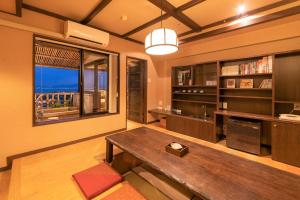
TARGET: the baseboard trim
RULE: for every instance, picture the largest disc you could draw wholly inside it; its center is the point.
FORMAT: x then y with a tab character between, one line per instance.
10	159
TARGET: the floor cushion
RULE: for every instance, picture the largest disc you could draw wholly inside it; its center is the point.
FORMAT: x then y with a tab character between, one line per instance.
95	180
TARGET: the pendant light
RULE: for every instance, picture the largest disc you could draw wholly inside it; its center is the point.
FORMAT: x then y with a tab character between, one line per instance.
161	41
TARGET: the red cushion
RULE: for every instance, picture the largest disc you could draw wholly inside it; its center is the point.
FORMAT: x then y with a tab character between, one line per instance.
126	192
97	179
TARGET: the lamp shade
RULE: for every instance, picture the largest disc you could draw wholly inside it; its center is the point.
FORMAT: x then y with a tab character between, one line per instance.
161	41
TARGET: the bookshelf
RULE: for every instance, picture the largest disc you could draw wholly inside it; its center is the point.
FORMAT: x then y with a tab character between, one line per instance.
193	87
246	82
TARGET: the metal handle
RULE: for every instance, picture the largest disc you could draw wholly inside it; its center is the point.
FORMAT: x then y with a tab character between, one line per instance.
275	125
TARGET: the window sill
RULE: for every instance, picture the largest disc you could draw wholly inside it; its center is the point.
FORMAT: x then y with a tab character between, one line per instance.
70	119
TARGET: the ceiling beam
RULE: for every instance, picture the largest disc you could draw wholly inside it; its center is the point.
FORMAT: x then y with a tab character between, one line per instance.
61	17
96	11
163	17
45	12
188	5
186	33
252	12
148	24
19	8
263	19
171	10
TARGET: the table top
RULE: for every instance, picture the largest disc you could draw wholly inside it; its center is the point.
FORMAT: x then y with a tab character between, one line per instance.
207	172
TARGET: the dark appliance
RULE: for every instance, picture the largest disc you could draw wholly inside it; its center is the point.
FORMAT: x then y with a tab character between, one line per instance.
244	135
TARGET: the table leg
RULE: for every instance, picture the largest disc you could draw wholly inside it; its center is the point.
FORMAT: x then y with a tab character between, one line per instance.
109	151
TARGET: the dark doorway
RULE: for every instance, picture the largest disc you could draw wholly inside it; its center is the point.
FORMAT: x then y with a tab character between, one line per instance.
136	90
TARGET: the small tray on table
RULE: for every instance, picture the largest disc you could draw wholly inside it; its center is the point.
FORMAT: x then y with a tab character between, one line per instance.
177	152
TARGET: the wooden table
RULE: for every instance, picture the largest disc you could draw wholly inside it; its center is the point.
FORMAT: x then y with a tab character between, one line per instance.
207	172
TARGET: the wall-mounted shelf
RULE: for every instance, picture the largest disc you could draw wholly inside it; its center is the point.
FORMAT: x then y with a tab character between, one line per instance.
249	89
193	86
246	97
192	101
197	94
246	75
287	102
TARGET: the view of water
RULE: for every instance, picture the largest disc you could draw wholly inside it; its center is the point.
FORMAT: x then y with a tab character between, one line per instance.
52	80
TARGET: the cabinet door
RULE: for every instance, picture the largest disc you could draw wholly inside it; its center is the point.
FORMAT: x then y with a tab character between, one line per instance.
286	143
191	127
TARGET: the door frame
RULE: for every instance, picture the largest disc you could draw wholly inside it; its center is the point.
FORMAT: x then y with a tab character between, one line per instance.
145	88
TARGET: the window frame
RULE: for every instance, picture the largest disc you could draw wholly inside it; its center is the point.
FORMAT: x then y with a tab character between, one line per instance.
81	47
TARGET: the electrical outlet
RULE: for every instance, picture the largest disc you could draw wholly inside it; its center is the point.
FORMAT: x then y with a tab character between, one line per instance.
297	106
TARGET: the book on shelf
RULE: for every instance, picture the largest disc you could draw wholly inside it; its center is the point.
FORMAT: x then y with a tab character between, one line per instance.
266	83
261	66
246	83
230	70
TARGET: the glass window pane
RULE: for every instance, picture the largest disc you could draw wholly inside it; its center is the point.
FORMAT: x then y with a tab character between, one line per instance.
56	82
95	81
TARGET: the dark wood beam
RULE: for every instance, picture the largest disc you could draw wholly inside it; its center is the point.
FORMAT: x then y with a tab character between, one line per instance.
45	12
188	5
19	8
61	17
148	24
171	10
163	17
96	11
252	12
186	33
263	19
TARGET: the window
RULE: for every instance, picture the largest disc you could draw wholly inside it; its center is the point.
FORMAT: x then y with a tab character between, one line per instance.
70	83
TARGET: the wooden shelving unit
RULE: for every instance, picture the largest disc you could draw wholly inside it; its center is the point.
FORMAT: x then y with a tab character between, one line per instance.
253	99
194	92
192	88
256	103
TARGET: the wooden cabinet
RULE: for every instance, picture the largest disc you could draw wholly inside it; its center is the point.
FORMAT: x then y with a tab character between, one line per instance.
192	127
286	142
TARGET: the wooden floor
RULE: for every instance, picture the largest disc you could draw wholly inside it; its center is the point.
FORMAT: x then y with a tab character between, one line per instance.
48	175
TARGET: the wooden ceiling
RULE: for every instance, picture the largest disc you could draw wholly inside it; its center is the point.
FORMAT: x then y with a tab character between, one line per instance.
133	19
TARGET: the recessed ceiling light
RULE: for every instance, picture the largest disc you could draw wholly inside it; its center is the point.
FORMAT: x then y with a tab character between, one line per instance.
241	9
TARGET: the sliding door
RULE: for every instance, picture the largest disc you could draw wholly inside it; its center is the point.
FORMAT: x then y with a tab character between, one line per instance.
95	82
